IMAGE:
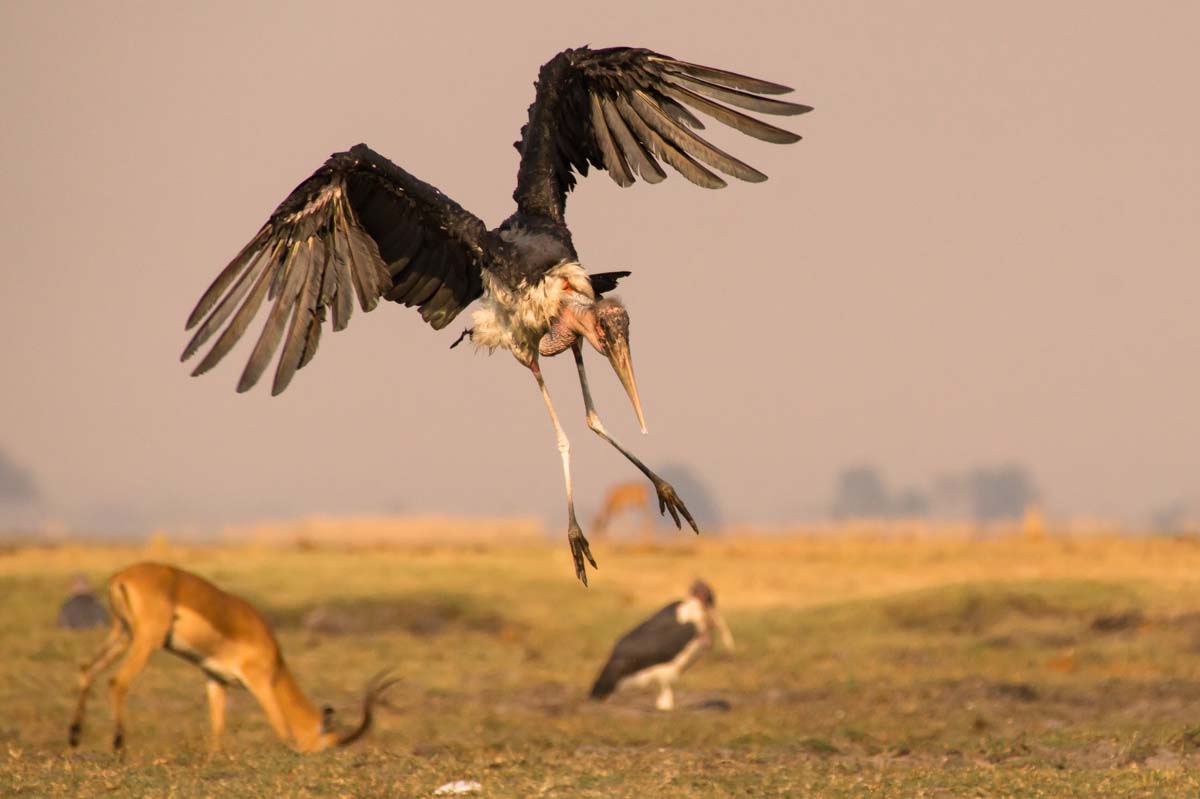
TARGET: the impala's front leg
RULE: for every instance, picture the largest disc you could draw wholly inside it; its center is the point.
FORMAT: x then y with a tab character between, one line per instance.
579	544
668	499
216	713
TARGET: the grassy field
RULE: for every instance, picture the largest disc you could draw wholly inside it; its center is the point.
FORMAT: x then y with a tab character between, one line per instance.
913	666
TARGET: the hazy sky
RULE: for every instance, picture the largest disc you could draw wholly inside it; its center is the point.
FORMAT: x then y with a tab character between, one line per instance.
984	250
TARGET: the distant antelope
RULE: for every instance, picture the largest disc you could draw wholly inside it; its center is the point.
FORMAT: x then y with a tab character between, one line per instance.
623	497
155	605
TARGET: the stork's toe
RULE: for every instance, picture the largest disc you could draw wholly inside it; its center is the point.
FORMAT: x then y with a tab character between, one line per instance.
579	551
669	501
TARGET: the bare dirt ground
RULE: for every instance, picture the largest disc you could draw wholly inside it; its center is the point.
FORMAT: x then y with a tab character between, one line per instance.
866	666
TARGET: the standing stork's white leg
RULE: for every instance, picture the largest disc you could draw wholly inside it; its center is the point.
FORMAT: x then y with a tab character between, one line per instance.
668	499
666	696
579	544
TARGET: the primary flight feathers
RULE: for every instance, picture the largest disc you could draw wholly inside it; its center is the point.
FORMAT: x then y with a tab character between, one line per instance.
361	228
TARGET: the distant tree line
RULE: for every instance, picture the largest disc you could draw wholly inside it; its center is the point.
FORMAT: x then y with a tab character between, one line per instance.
17	486
982	493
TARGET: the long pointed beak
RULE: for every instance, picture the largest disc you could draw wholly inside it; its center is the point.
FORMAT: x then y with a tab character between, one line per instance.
719	622
618	356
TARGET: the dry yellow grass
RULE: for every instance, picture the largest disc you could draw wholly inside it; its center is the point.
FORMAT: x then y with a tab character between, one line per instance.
868	664
385	531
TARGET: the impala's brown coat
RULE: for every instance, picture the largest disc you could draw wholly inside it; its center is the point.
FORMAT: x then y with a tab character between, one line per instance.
158	606
623	497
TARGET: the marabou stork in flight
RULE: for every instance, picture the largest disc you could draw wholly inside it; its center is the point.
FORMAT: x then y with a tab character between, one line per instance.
362	227
662	647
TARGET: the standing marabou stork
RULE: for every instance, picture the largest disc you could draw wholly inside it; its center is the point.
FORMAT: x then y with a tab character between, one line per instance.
662	647
360	225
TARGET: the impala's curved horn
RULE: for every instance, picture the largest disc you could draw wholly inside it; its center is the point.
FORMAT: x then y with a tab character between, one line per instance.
376	687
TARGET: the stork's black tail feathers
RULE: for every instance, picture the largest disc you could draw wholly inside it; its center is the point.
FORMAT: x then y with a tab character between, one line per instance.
605	684
605	282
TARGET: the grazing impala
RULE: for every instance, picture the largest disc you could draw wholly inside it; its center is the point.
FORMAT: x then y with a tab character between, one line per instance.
620	498
154	606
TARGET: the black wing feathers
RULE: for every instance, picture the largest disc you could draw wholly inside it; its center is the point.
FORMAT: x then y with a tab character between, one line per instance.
359	227
624	110
656	640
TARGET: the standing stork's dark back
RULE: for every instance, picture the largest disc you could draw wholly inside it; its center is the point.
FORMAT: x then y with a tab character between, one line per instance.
662	647
362	227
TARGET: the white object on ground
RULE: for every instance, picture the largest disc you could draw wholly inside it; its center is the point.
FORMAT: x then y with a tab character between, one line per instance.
458	787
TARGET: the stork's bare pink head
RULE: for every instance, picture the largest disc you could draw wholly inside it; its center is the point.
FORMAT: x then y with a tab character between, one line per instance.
605	324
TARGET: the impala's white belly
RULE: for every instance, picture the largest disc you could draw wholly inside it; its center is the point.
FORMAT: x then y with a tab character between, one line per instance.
194	638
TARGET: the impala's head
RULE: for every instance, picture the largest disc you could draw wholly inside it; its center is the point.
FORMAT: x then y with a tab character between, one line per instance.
605	324
703	592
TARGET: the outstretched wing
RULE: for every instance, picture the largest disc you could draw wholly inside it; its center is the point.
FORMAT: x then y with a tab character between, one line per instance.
623	109
360	226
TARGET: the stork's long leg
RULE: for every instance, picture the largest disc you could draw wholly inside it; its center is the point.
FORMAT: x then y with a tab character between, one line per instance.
579	544
666	696
668	499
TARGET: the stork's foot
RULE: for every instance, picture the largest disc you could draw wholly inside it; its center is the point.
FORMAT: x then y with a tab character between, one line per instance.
668	500
579	551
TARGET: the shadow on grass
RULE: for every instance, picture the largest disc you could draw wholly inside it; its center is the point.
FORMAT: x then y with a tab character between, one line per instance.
419	613
977	607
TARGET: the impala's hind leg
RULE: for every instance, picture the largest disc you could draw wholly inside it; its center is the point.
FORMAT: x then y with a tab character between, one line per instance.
114	646
141	650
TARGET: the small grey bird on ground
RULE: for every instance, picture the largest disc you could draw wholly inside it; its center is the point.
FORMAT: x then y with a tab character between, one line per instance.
82	610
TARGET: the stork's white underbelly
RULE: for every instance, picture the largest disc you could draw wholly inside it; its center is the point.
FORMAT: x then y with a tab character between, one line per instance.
517	320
